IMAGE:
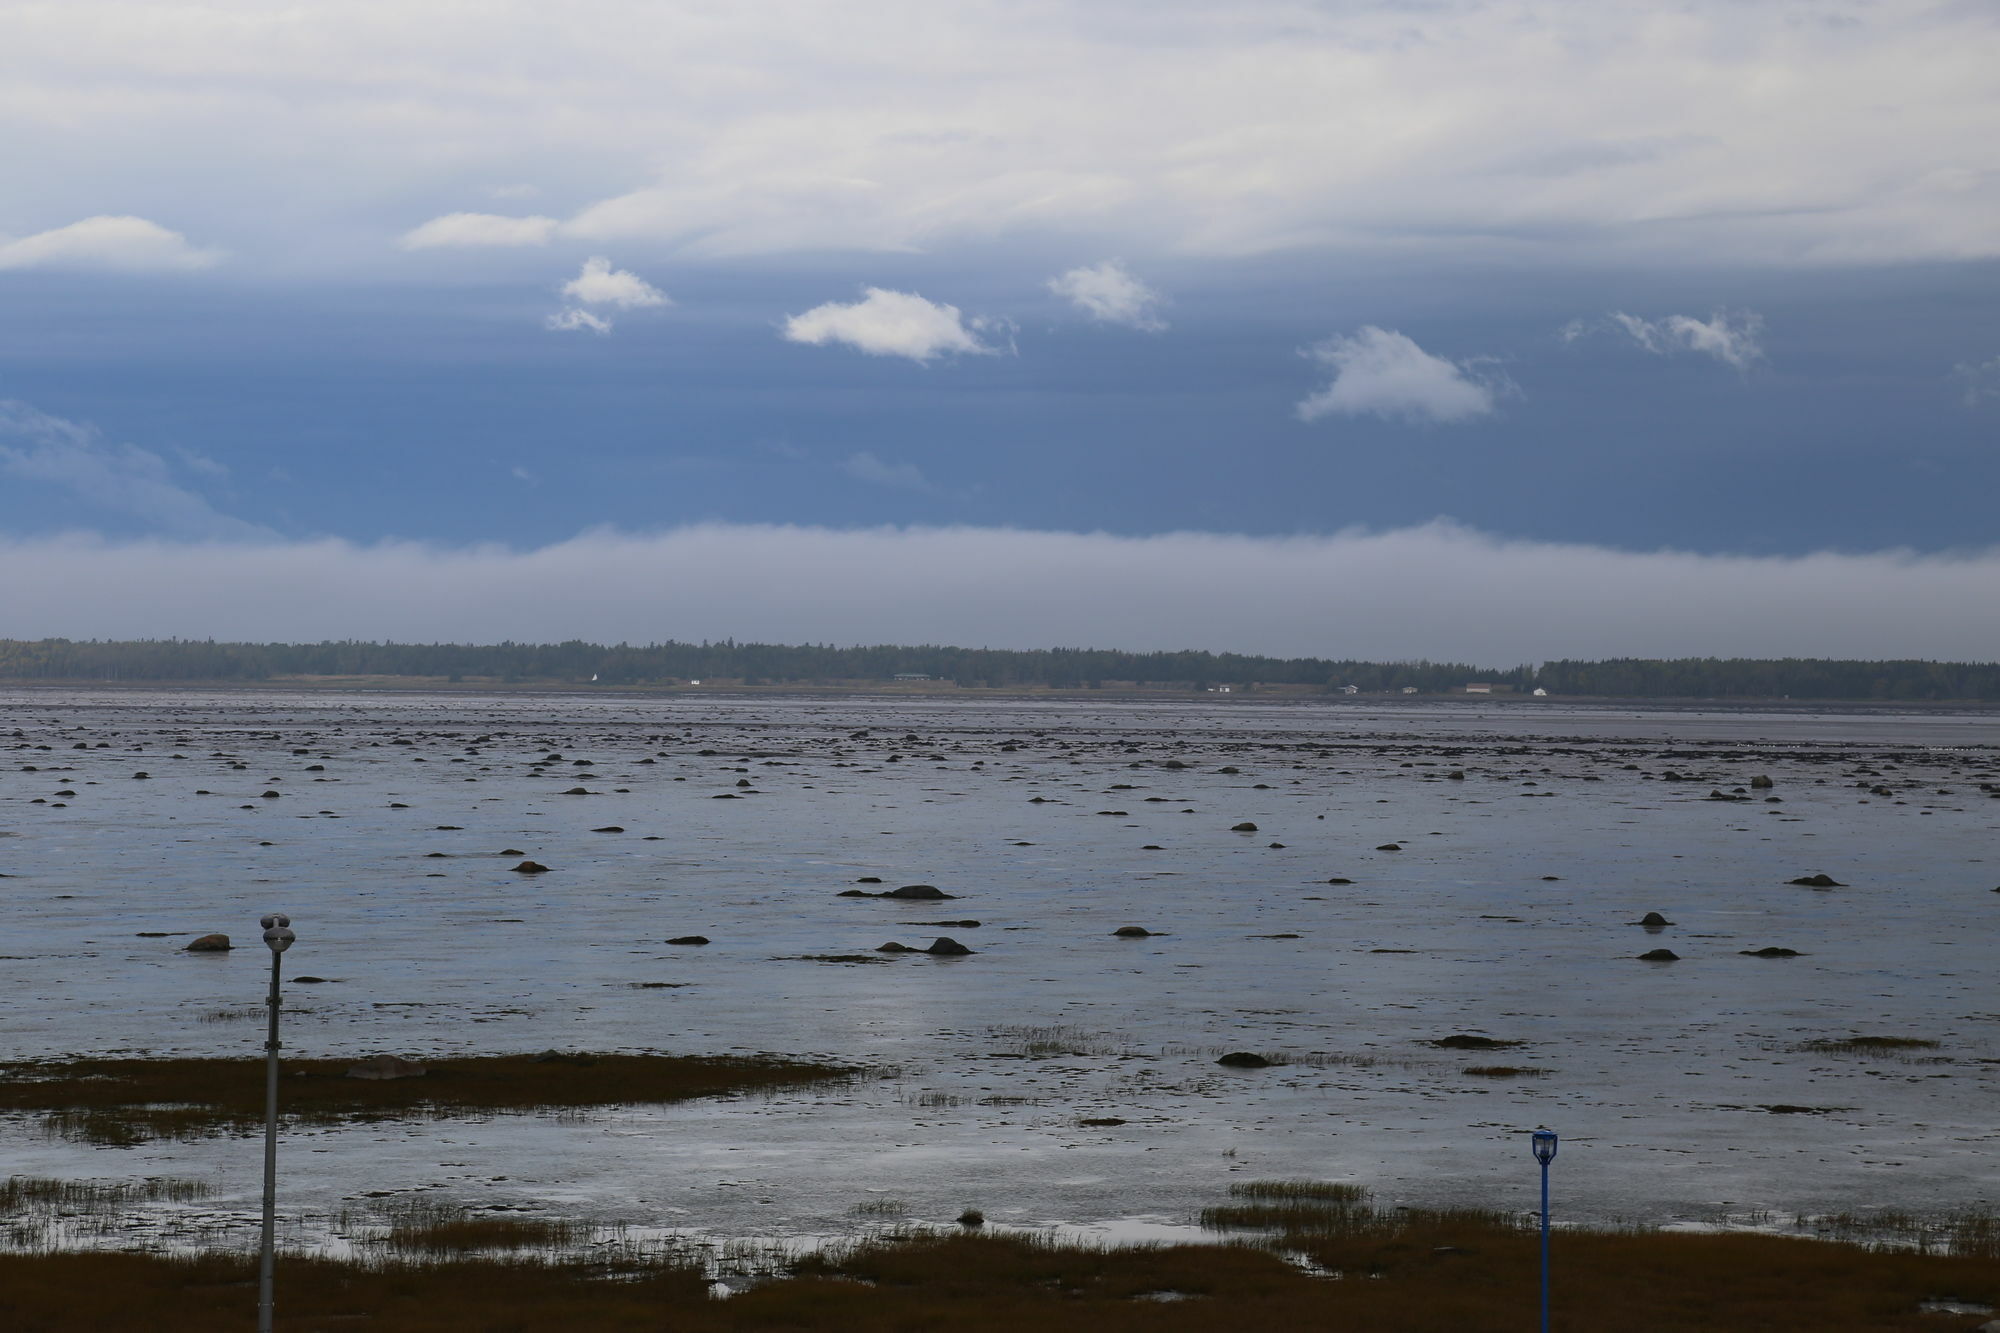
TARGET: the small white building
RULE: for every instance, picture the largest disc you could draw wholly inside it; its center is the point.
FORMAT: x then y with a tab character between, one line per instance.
1350	689
1541	693
1479	687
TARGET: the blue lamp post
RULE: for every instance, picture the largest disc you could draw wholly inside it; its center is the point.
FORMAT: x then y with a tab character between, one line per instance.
1544	1141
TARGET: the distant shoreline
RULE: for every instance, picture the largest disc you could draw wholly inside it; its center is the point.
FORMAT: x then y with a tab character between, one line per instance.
936	690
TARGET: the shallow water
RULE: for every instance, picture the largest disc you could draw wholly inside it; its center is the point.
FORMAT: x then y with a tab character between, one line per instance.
1656	1073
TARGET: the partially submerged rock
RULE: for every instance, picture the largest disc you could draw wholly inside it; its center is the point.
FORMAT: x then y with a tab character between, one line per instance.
944	946
1821	881
531	868
1772	952
1244	1060
1654	920
382	1068
1466	1041
1132	933
1245	827
208	944
1659	956
926	891
689	939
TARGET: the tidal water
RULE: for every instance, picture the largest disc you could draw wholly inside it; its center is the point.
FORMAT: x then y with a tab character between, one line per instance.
1507	912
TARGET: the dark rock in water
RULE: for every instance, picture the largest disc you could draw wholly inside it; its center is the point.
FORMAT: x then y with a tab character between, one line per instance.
208	944
924	891
1761	780
309	981
1132	932
1465	1041
1671	776
1245	827
856	893
972	1217
1390	847
1277	846
688	939
725	796
610	828
1456	775
1338	880
512	851
893	947
141	777
1659	956
1654	919
869	879
437	855
1714	795
272	795
1244	1060
531	868
578	791
1229	768
1101	1122
381	1068
962	925
1769	953
944	946
1173	763
1817	882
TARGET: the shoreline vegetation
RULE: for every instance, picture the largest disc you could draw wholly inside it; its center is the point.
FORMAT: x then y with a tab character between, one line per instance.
927	670
1321	1260
126	1102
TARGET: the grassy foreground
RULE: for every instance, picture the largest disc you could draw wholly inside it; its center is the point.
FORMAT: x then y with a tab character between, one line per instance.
122	1102
1442	1273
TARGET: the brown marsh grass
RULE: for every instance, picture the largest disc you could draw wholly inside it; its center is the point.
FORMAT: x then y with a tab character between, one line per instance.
1431	1273
121	1102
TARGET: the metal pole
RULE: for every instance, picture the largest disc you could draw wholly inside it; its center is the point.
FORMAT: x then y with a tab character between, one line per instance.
1545	1247
265	1261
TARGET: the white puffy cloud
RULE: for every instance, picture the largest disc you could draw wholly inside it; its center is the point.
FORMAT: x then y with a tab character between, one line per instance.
1379	372
1734	338
572	319
865	466
601	284
478	230
886	323
118	478
1437	591
1652	130
1108	293
122	244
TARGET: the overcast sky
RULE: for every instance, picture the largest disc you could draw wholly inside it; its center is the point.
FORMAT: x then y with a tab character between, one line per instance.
1490	330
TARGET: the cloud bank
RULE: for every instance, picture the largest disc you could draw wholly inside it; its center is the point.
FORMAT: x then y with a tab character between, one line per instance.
117	244
1382	373
1438	591
886	323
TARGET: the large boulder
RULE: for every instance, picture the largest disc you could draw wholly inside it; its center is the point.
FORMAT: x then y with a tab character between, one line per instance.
944	946
923	891
209	944
1821	881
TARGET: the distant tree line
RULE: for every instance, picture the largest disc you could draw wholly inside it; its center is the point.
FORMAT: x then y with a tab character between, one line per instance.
576	662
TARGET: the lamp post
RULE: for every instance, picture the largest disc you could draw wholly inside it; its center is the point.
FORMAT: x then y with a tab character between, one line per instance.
1544	1141
278	935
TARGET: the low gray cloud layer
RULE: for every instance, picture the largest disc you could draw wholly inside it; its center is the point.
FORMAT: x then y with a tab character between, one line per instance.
1436	590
